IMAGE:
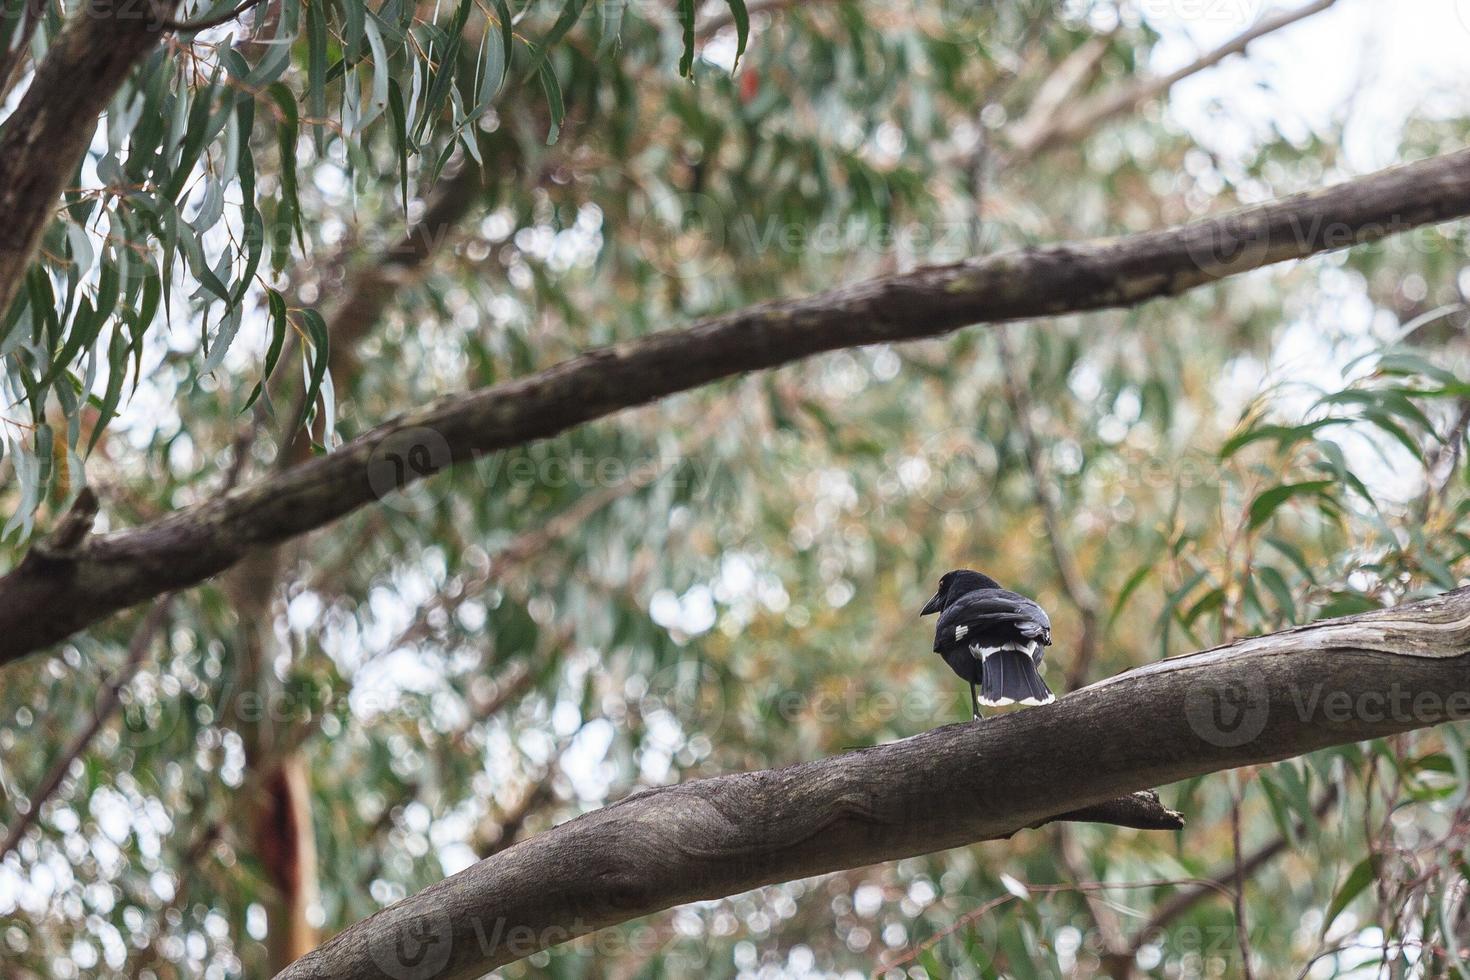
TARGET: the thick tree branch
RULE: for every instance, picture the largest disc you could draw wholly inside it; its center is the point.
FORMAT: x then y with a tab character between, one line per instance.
112	572
1253	701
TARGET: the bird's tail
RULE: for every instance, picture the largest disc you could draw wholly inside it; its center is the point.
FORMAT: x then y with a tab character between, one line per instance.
1010	677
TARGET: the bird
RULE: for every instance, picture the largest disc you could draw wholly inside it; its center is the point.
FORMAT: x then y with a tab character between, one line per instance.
991	637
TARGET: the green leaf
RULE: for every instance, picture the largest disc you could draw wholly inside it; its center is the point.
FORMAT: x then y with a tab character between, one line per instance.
612	24
1358	879
554	102
742	29
568	17
1286	436
354	29
315	356
492	72
196	132
277	304
686	20
1276	584
507	31
316	71
400	137
1269	501
289	214
444	55
1129	587
117	373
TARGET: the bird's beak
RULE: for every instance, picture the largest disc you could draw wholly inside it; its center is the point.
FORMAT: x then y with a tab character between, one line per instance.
935	605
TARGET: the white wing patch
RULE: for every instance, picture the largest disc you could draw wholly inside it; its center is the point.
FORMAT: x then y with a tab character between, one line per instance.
980	653
959	633
1004	701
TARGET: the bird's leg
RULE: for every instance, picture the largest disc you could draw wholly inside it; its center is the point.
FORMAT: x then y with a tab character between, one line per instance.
974	703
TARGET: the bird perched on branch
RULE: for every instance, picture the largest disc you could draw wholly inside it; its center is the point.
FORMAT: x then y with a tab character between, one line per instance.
991	637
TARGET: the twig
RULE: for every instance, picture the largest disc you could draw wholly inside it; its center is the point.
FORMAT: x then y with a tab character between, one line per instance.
1242	932
1055	127
1116	960
1218	881
106	705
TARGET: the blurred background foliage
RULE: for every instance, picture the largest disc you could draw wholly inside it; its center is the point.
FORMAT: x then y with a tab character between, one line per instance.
729	579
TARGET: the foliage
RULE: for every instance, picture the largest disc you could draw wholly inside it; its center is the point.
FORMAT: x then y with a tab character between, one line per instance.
738	582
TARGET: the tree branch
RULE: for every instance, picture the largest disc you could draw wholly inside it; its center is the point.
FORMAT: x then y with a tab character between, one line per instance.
1044	130
117	570
1219	882
1282	695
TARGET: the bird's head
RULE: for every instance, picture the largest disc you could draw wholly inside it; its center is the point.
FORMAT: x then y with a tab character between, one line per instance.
954	584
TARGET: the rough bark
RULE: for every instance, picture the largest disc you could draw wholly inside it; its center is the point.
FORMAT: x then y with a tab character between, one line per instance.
1251	702
79	586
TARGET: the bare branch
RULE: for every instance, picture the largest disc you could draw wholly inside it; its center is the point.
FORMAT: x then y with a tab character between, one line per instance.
1394	669
1219	882
1047	129
111	572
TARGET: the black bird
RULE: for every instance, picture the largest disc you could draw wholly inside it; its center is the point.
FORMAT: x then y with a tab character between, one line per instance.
991	637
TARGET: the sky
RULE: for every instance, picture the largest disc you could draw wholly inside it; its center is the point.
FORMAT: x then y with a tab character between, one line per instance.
1370	60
